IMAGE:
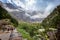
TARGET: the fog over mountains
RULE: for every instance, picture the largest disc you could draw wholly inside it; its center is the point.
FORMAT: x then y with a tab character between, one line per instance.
20	11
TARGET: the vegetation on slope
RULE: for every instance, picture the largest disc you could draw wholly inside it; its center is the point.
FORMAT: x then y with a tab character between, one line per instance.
31	31
5	15
53	20
38	31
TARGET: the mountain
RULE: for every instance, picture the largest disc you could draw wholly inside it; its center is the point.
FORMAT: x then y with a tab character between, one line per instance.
5	15
53	20
21	14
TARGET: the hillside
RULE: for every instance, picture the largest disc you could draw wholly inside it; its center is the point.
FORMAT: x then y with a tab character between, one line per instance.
7	26
53	21
5	15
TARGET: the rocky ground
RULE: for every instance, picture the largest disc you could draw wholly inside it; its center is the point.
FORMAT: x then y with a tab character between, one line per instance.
8	31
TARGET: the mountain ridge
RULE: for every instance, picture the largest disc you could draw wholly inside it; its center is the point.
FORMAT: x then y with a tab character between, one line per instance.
20	13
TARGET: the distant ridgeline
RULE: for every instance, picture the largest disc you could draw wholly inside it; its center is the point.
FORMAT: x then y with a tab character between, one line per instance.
5	15
53	19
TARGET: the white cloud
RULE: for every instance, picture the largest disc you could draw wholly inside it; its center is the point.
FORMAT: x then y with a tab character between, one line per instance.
19	3
38	15
16	2
30	4
35	16
9	1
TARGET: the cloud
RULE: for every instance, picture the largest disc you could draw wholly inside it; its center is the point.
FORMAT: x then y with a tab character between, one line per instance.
36	16
9	1
14	2
30	4
27	5
48	10
18	3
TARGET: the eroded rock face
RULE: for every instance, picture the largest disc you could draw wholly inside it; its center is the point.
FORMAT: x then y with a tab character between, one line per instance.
8	31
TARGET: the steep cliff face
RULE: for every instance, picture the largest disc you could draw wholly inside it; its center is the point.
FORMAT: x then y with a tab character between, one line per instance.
53	20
